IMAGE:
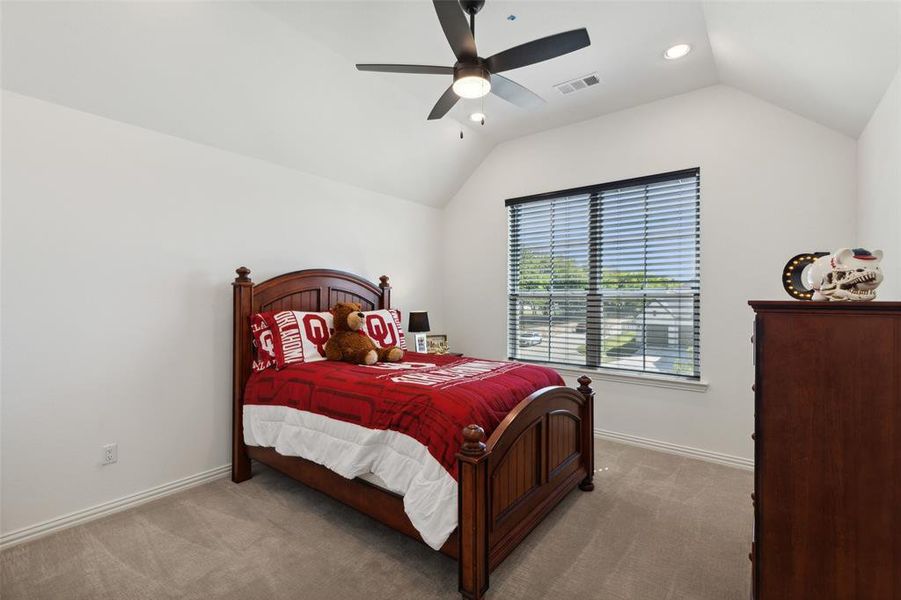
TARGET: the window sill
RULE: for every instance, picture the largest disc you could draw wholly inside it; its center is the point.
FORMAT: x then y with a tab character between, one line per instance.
664	381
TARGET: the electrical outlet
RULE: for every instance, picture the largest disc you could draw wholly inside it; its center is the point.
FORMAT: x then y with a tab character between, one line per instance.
110	454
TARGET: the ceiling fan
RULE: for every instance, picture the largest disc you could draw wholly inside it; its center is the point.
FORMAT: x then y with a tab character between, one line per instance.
475	76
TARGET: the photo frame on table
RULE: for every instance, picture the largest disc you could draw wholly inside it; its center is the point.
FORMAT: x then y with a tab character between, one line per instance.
420	343
436	343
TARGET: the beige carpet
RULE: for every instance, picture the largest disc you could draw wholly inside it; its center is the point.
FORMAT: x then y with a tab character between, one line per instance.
656	527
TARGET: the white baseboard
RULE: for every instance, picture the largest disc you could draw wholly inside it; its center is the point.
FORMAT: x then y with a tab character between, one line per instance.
709	456
107	508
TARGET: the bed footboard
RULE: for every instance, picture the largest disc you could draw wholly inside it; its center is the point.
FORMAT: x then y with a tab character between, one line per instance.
508	484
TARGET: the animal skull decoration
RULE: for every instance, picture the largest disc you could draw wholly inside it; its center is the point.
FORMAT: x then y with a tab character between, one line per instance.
844	275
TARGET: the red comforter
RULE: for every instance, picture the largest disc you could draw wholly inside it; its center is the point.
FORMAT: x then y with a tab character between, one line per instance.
428	397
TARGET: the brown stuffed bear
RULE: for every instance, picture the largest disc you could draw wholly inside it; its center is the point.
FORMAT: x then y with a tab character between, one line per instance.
351	344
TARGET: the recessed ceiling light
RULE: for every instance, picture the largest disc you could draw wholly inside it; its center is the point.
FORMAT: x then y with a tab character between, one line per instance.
677	51
477	117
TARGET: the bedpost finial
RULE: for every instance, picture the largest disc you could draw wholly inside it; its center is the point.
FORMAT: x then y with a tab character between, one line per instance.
383	282
473	440
243	275
585	384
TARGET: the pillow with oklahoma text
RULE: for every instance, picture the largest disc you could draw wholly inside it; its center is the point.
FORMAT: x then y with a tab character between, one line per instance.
300	336
263	342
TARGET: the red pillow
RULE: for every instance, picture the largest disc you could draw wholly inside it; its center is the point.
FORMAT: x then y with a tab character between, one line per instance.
263	342
300	336
383	326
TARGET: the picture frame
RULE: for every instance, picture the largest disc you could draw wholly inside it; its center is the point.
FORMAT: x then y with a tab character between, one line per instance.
436	344
419	343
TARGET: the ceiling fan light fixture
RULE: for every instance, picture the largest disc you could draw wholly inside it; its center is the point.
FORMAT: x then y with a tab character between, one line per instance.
472	86
471	81
677	51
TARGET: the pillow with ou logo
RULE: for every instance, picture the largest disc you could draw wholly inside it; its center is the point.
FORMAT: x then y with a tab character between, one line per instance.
263	342
300	336
383	326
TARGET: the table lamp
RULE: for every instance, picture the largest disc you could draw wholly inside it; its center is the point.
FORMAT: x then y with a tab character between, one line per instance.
418	326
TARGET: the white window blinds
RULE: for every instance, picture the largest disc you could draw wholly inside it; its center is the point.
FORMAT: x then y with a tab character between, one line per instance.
608	276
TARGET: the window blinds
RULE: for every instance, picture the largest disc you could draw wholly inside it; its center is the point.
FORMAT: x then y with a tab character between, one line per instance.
608	276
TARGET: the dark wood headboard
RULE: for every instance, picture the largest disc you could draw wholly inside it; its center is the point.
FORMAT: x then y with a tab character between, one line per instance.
309	290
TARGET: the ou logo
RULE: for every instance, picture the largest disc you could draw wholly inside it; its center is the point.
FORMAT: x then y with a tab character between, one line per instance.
379	331
266	343
315	329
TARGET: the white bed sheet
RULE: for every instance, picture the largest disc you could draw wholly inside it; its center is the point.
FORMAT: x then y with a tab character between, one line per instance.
401	463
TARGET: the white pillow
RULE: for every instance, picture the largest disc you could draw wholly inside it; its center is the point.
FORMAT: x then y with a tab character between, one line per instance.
301	336
384	327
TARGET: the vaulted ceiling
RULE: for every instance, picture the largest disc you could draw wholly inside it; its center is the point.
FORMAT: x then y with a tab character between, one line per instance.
275	80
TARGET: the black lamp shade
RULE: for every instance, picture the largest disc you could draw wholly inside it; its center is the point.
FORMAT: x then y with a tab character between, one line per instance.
419	322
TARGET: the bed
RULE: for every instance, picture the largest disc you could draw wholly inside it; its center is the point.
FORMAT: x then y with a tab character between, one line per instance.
538	446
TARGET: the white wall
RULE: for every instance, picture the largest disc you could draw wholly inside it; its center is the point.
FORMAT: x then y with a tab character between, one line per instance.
879	187
119	244
772	184
118	248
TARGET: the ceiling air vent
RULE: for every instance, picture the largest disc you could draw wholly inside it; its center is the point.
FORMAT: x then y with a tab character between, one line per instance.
580	83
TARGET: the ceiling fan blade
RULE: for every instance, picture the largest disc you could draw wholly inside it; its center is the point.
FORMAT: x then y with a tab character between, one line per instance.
514	93
456	29
536	51
444	104
416	69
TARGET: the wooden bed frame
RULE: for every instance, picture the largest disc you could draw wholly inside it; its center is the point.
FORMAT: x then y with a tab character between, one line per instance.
506	485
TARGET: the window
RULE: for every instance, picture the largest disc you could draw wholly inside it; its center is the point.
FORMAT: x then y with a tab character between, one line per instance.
608	276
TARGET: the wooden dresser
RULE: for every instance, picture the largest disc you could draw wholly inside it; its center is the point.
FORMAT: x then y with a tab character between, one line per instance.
827	500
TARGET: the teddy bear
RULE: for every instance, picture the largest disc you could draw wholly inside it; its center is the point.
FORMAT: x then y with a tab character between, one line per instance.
351	344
